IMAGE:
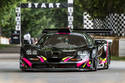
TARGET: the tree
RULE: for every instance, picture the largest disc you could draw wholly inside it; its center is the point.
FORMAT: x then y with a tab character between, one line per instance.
35	20
6	9
101	8
7	15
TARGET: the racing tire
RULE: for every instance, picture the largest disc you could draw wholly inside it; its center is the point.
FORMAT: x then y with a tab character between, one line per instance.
106	66
95	64
24	70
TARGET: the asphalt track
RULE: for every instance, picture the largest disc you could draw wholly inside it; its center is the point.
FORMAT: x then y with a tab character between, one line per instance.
10	73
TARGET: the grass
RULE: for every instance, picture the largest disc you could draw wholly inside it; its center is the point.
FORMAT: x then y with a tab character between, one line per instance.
118	58
5	46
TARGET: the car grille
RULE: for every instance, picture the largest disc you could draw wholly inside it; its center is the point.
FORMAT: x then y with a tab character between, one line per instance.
54	59
54	66
39	66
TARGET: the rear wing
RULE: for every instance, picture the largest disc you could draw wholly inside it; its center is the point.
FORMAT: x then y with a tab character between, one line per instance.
95	31
89	31
56	31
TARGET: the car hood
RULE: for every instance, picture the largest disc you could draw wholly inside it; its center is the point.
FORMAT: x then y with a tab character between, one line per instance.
52	52
59	52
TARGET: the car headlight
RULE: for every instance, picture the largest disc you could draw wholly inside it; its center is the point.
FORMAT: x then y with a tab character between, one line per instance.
83	54
31	52
34	52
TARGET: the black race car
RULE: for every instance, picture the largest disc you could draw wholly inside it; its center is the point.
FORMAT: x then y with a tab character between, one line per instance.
64	49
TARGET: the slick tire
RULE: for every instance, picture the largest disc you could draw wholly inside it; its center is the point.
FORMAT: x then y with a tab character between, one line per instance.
24	70
106	66
95	64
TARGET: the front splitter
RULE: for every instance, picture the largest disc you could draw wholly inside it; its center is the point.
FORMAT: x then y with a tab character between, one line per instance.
57	69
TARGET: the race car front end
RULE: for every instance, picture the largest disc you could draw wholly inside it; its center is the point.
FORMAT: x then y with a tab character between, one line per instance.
60	50
30	60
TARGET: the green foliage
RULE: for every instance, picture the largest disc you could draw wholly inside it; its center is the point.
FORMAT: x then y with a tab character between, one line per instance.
7	15
35	20
78	16
117	58
2	46
101	8
6	10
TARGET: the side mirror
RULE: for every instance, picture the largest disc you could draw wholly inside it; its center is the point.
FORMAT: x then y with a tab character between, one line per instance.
98	42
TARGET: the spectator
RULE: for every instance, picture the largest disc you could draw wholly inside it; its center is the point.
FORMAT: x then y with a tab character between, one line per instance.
27	37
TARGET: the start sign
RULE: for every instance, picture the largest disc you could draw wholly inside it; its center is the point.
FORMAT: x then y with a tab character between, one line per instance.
68	5
44	5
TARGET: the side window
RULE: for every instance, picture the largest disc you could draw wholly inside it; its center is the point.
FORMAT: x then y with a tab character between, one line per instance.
90	40
42	39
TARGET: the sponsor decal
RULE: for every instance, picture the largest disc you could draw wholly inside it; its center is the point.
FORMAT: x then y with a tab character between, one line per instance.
66	59
42	59
27	61
102	61
82	62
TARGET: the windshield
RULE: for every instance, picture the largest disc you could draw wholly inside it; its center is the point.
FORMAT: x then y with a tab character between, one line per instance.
64	41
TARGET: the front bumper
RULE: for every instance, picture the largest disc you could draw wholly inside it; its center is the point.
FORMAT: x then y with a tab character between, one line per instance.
52	66
56	69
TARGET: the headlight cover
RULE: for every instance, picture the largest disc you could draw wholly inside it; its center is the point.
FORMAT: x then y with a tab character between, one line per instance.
83	54
28	52
31	52
34	52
